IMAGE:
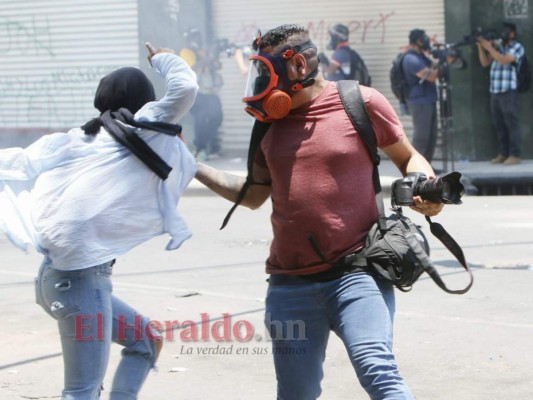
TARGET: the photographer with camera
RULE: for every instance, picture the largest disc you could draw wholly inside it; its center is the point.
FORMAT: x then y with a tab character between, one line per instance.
503	61
420	74
314	164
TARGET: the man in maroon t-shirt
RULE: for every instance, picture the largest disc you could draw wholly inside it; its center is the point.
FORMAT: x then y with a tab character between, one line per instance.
318	172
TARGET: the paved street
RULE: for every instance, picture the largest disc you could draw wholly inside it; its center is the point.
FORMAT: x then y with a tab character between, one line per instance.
473	347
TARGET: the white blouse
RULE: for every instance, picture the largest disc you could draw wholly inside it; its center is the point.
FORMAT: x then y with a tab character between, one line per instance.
93	200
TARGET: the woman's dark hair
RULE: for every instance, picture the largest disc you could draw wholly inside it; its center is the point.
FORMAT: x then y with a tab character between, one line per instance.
125	87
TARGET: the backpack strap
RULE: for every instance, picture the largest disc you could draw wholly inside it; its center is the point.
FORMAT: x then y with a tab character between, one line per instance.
259	131
353	103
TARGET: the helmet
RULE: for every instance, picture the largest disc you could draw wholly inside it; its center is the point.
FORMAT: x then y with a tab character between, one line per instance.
340	31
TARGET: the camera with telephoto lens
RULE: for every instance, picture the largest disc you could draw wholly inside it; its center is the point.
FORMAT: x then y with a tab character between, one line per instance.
446	189
471	39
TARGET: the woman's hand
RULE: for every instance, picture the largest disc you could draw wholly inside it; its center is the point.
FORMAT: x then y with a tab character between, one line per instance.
152	51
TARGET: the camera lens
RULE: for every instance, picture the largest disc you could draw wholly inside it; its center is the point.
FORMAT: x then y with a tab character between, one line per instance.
447	189
452	188
430	189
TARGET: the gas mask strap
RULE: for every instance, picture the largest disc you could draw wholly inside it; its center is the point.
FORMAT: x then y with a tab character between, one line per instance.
309	80
304	46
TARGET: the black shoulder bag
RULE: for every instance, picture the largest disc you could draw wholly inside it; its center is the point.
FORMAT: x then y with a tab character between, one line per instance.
396	248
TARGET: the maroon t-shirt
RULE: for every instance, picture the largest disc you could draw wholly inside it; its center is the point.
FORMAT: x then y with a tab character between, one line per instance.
322	180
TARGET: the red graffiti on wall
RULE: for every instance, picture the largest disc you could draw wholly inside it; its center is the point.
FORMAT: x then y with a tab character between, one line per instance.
361	30
246	34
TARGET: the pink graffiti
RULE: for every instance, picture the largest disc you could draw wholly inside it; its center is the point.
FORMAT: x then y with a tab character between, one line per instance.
246	33
361	31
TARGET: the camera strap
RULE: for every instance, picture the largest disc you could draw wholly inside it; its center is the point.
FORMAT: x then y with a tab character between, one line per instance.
354	105
449	242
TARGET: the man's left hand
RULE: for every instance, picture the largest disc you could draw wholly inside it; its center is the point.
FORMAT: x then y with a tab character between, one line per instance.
426	207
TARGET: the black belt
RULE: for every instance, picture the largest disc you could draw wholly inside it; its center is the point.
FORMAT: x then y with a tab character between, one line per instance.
350	264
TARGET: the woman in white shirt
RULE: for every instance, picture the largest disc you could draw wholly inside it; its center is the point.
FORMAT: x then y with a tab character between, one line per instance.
94	200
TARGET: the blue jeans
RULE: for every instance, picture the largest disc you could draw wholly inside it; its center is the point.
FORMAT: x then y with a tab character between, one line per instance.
358	308
89	318
504	108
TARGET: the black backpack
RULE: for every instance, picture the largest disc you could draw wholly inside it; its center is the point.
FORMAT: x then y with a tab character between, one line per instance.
523	75
358	69
398	84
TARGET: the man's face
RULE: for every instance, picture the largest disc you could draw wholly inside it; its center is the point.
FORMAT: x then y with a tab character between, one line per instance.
267	70
286	65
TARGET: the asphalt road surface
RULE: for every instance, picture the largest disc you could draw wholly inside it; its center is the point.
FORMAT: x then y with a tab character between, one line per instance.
477	346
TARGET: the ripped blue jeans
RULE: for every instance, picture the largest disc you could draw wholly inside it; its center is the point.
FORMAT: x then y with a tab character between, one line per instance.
89	318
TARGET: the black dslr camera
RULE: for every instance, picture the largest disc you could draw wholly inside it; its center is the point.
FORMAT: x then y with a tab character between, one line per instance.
446	189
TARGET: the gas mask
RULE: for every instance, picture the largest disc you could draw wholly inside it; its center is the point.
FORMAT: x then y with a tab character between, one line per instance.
268	88
505	36
333	42
425	43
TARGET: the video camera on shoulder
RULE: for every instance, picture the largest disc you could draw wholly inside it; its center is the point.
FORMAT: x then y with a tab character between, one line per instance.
449	54
446	189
